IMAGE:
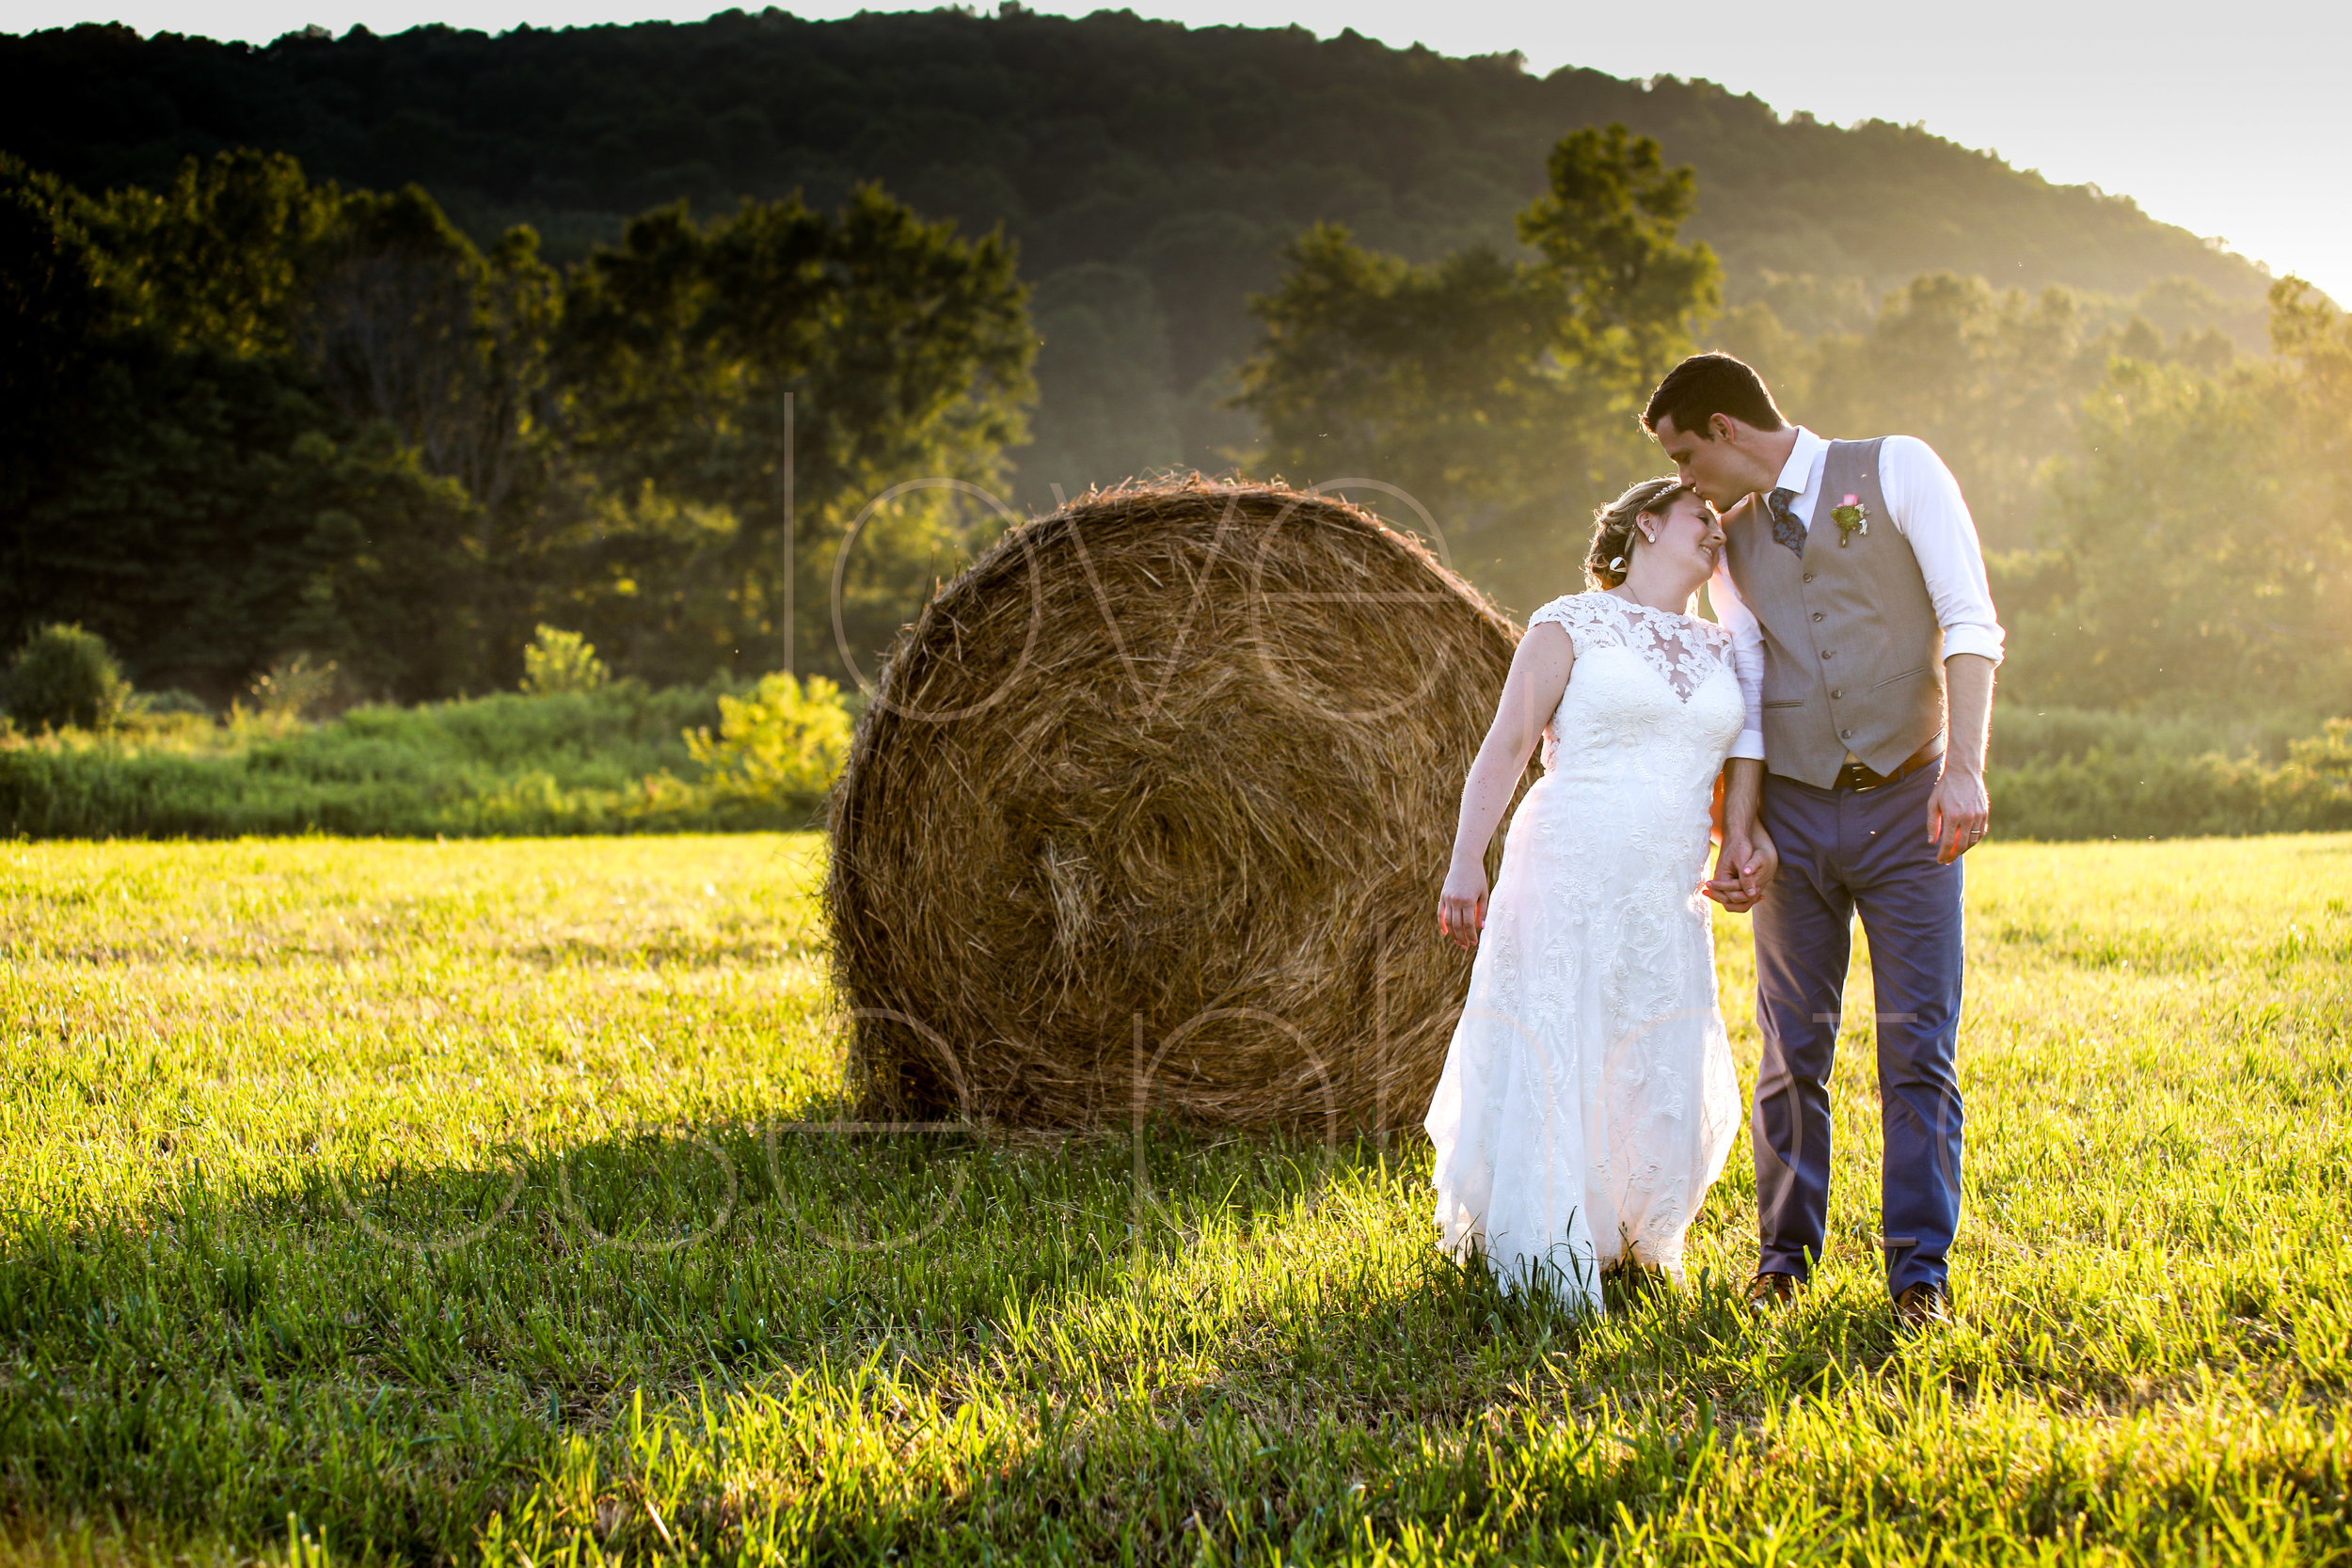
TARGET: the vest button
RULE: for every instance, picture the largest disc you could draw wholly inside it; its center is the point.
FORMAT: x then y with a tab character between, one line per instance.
1845	735
1829	652
1817	615
1836	693
1808	577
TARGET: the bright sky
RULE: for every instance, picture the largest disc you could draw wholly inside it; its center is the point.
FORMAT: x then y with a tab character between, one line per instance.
2230	121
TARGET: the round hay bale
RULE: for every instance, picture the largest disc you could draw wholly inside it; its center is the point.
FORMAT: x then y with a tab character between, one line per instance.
1151	806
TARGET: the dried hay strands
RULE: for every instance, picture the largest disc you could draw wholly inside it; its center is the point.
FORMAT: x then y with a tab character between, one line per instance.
1150	809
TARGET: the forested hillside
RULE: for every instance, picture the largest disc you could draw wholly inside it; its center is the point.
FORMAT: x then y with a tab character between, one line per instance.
382	353
1150	174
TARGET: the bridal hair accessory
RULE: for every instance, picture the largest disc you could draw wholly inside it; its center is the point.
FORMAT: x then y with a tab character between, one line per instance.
1851	517
1618	531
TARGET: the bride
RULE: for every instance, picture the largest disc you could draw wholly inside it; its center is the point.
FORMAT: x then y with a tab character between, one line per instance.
1588	1100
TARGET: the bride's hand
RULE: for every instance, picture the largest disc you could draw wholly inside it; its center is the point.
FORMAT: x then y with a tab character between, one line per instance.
1725	887
1462	904
1743	869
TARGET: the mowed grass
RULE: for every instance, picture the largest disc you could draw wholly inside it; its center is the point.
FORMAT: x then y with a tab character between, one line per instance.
419	1202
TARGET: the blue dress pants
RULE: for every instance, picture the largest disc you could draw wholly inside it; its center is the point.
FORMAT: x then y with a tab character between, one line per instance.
1843	850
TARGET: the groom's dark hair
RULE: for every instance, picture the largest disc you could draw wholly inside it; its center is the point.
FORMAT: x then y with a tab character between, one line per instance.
1707	385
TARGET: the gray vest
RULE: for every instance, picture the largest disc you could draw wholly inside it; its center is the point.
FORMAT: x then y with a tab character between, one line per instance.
1853	655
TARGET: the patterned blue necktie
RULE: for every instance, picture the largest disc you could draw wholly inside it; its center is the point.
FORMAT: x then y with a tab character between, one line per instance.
1785	528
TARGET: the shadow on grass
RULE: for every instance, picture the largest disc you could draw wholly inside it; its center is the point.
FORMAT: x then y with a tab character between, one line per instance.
1340	1407
388	1355
856	1342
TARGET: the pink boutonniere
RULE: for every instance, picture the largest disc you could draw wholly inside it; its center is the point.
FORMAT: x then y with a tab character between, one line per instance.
1851	517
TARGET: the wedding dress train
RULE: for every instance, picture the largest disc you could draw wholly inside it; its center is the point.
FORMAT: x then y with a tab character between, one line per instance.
1588	1100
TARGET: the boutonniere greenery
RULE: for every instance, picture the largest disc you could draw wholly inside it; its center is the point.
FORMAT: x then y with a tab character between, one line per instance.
1851	517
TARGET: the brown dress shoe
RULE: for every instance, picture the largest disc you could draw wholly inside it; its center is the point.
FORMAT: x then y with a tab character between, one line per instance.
1923	1305
1770	1290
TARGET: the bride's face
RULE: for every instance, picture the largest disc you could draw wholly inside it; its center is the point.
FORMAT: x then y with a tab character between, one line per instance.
1688	539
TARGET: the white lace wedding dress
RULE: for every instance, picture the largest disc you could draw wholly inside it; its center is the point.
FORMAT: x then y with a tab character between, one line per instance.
1588	1100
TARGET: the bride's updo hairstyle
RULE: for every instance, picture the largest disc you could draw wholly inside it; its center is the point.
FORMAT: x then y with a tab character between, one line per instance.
1614	533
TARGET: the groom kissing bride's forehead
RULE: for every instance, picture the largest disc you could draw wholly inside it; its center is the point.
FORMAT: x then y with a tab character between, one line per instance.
1853	587
1588	1100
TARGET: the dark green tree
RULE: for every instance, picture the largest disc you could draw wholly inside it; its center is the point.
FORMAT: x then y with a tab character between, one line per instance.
906	350
195	499
1499	392
258	416
1185	155
224	258
1433	378
55	308
1605	228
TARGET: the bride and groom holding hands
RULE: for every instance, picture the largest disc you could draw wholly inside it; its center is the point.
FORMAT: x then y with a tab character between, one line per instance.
1588	1100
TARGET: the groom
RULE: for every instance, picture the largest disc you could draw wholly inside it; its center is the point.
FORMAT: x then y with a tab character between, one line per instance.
1854	590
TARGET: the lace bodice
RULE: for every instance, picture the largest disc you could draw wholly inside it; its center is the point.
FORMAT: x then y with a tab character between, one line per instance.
1682	648
1622	722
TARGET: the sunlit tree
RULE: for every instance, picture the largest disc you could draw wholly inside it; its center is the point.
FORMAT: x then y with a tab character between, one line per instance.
1499	391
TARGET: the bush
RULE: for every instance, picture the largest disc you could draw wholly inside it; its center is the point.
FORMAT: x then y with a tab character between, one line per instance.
171	702
2154	794
784	743
65	678
623	758
2023	734
558	661
618	759
296	689
2328	755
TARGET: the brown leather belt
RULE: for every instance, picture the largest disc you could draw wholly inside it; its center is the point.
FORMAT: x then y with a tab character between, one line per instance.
1856	775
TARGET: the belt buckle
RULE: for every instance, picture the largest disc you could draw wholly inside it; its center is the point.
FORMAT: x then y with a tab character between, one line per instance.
1858	777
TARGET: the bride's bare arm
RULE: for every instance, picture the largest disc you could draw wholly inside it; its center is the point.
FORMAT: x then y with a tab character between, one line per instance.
1539	673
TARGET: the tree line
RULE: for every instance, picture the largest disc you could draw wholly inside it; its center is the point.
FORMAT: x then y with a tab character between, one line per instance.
1149	172
2168	521
250	412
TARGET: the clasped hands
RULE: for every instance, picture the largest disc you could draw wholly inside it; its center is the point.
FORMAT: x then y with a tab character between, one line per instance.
1743	870
1747	862
1744	867
1957	814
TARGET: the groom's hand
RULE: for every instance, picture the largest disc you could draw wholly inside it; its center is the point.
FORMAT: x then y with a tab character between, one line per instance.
1959	810
1958	813
1743	869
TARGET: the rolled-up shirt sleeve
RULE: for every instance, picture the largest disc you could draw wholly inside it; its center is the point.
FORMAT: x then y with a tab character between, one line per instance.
1747	658
1934	517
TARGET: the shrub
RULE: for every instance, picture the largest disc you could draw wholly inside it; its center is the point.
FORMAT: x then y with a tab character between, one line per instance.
171	702
66	679
2025	733
619	759
628	759
2153	794
558	661
296	689
783	743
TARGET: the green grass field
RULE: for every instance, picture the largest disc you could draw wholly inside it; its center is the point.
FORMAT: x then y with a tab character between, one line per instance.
419	1202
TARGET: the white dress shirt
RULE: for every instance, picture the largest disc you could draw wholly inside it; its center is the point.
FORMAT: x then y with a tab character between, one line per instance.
1924	503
